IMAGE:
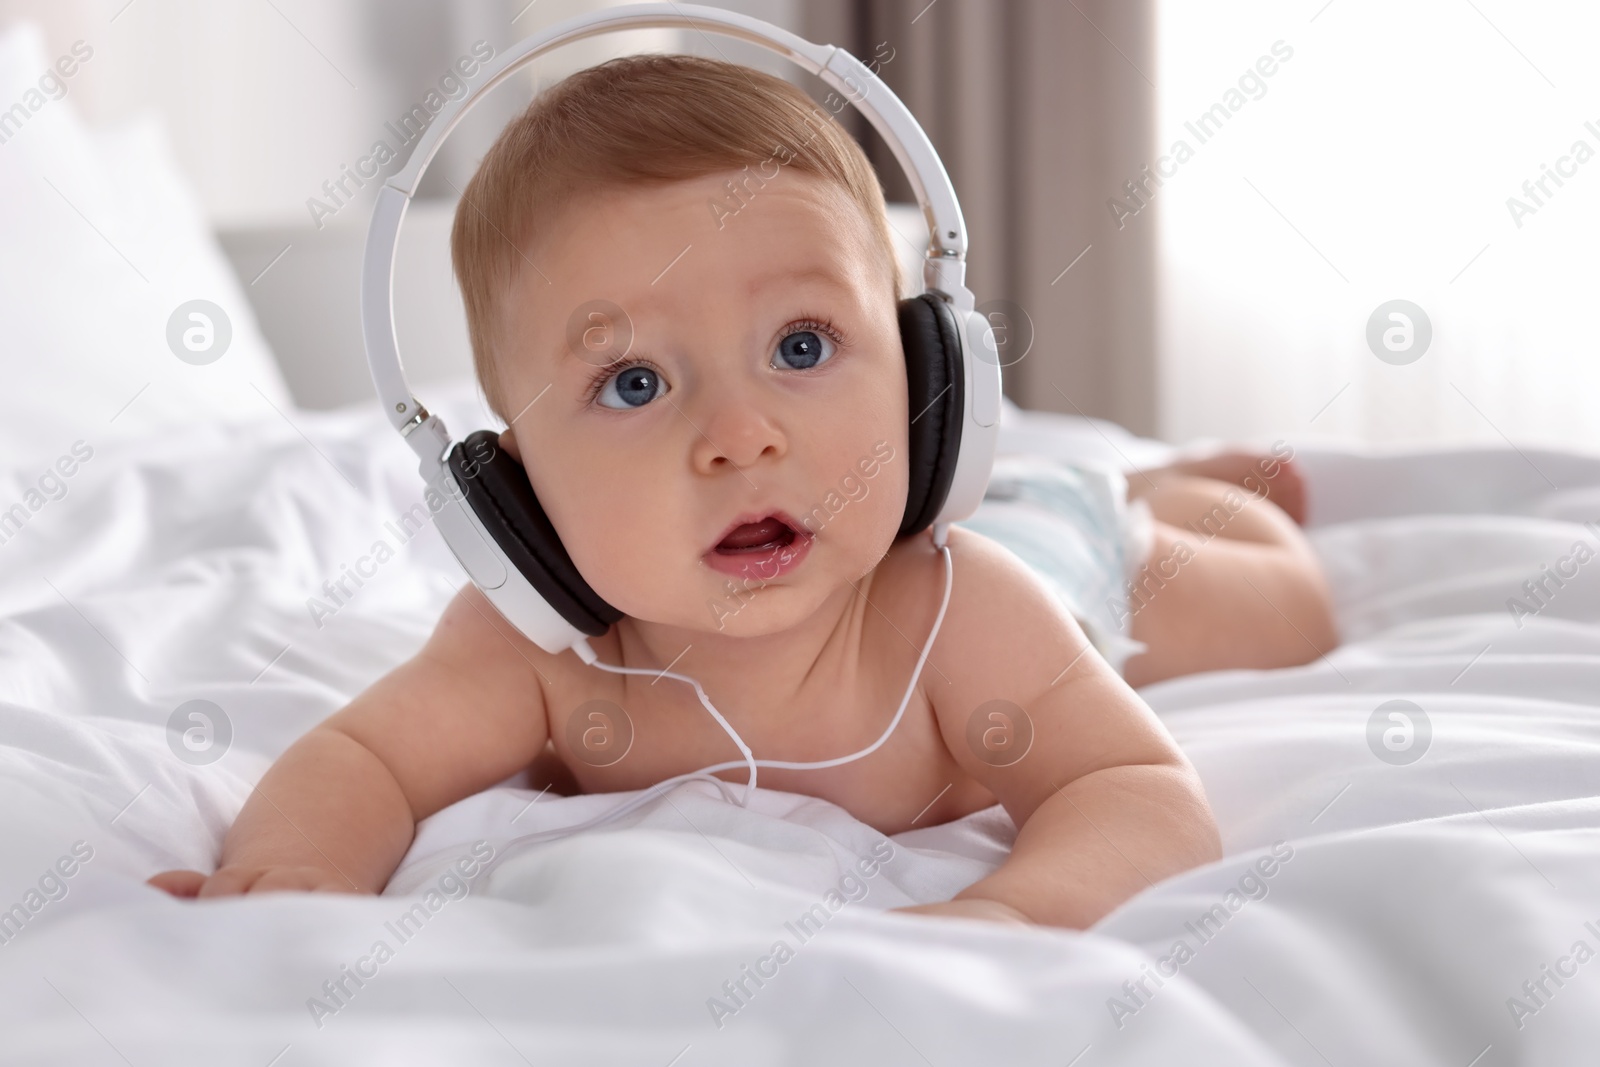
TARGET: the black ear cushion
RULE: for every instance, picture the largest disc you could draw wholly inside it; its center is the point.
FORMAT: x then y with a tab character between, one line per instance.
936	388
497	488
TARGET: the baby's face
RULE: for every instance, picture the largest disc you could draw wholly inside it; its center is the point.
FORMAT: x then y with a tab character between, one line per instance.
668	380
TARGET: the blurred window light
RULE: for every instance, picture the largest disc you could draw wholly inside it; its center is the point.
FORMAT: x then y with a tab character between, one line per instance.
1390	236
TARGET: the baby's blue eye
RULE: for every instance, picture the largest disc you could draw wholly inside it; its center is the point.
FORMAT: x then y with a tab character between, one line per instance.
804	349
632	388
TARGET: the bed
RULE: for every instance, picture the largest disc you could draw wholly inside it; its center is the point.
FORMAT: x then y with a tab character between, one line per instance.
1409	822
1407	900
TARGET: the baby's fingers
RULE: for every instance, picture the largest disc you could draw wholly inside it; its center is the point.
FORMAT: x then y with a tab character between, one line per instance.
237	881
231	881
178	883
302	879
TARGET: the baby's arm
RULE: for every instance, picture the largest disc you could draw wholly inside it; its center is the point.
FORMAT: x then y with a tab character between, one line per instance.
339	808
1104	801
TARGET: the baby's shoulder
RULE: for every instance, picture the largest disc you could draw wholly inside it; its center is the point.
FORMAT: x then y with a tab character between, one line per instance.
989	579
1002	620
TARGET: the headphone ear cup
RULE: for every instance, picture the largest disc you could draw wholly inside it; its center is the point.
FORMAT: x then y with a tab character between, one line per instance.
496	487
935	387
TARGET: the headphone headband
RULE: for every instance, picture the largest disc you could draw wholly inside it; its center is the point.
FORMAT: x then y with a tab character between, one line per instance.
944	265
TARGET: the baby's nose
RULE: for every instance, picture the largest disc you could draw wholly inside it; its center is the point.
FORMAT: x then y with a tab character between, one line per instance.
737	432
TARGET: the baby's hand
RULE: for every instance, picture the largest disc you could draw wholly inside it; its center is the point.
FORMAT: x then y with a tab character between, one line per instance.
237	881
971	908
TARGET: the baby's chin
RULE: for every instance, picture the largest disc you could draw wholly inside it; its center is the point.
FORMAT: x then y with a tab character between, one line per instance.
722	606
757	612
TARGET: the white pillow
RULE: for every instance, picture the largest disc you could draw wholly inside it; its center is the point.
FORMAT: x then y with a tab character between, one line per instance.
103	239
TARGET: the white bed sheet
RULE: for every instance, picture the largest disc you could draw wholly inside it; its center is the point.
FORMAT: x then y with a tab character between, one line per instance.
1416	901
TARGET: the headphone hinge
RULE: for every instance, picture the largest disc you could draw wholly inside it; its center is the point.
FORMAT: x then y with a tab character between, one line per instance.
945	275
415	421
432	445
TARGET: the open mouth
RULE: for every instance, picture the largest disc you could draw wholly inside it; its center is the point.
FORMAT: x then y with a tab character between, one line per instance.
762	535
760	547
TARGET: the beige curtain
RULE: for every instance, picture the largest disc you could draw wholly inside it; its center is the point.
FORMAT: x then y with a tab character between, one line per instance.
1042	110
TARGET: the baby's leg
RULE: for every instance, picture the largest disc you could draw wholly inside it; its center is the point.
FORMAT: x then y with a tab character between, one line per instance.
1230	582
1284	485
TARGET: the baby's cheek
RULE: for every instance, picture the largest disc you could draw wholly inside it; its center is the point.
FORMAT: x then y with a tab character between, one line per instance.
892	482
639	553
879	502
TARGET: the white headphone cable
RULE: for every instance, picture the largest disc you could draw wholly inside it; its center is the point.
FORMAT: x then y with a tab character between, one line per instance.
587	654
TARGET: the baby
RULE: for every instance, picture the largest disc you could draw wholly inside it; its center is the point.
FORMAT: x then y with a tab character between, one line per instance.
745	250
